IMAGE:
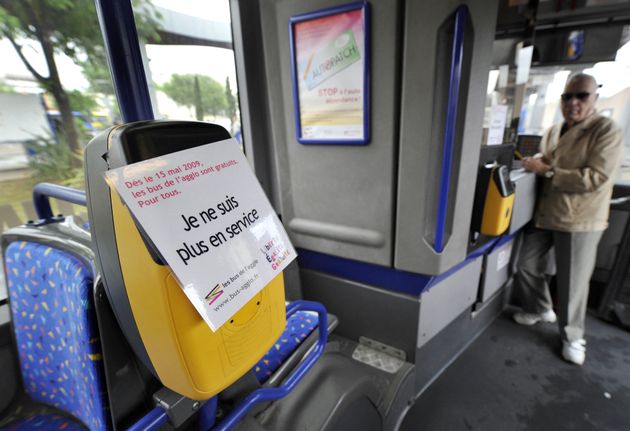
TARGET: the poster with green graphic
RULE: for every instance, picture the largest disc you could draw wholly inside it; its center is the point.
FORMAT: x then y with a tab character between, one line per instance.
330	77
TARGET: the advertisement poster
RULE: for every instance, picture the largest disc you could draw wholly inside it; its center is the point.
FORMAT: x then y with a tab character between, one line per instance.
205	211
329	54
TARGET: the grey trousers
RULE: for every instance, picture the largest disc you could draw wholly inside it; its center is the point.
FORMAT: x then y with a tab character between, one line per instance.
575	260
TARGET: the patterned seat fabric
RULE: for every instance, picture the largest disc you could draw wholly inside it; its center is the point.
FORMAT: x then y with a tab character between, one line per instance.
51	302
298	327
46	423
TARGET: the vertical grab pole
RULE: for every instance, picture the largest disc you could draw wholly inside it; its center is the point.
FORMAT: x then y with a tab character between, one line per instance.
451	122
207	414
125	60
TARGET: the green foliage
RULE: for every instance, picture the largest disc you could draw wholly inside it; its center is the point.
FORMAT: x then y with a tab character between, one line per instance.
82	102
230	100
201	92
85	104
54	162
230	105
6	88
8	23
70	27
147	20
95	67
96	72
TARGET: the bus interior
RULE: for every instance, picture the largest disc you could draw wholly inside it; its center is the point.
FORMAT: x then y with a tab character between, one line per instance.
384	136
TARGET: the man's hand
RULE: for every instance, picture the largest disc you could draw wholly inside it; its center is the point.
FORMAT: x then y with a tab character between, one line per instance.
538	165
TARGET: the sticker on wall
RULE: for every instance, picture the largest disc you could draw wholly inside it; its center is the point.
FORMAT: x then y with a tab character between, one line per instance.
504	256
575	44
330	61
523	63
496	129
206	213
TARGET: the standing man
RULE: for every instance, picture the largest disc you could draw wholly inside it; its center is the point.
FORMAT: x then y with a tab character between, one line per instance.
579	163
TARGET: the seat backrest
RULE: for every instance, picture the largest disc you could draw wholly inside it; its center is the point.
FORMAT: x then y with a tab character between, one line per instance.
51	300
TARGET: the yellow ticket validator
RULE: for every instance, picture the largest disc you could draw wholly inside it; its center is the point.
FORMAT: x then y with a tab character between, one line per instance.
498	203
158	320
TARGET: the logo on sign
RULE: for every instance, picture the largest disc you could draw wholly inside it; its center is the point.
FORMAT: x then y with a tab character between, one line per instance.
275	252
214	294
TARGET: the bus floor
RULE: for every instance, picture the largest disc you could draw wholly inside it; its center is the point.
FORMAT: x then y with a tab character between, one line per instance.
512	378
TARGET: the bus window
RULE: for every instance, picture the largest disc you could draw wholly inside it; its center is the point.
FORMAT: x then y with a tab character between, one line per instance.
189	63
541	107
50	106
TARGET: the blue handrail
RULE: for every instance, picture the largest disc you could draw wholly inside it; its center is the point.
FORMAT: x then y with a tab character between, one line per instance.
207	414
151	421
461	15
158	416
42	193
271	394
125	59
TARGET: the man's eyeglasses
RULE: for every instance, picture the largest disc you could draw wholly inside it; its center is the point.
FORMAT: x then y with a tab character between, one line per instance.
582	96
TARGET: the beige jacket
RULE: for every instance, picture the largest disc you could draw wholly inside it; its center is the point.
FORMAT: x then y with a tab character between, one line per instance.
585	160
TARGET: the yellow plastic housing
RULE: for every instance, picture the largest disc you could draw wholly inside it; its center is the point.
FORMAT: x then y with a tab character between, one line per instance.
188	357
497	210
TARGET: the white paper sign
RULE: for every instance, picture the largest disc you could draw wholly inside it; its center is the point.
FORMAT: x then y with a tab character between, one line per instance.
206	213
524	62
504	73
498	116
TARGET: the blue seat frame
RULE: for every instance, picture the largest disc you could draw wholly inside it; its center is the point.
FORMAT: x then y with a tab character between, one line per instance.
301	323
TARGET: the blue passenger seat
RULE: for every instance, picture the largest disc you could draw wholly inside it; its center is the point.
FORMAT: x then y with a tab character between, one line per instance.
51	297
299	326
57	339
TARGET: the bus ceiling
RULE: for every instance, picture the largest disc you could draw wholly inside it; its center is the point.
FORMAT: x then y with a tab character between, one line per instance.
551	27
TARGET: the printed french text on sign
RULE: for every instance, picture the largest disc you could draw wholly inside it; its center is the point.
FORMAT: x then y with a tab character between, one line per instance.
205	211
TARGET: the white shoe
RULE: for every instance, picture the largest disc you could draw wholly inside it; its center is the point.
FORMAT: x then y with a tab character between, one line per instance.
529	319
574	351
